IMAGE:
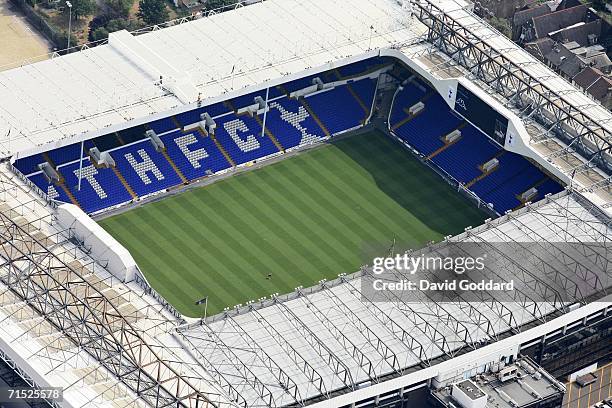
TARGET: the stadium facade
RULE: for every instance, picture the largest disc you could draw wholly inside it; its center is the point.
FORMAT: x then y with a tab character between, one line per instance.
116	124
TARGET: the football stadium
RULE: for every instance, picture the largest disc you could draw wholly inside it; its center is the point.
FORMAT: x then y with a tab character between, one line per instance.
193	214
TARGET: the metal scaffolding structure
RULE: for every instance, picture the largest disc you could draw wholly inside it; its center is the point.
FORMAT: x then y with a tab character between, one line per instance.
349	338
523	81
75	307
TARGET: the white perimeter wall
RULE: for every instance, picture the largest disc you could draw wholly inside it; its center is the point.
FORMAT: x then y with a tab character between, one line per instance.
105	249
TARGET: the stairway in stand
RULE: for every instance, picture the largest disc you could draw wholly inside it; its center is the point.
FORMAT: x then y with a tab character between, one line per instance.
270	135
124	182
178	171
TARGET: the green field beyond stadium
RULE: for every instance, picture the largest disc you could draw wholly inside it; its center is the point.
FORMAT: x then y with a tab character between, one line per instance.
290	223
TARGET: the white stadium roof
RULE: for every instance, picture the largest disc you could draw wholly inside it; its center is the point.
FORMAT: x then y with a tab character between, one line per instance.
112	84
336	336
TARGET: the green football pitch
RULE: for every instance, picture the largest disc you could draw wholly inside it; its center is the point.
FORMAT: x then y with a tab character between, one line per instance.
290	223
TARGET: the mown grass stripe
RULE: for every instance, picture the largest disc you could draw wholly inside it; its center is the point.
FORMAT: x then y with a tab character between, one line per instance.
263	222
297	206
288	208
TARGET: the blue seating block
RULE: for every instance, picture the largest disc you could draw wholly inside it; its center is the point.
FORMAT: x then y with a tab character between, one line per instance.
284	118
241	138
163	125
425	130
145	169
365	89
514	176
52	191
28	165
361	67
106	142
194	154
249	99
67	154
100	188
549	186
407	97
336	108
462	159
300	83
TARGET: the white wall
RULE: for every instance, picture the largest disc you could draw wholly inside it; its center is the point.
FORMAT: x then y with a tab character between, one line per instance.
105	249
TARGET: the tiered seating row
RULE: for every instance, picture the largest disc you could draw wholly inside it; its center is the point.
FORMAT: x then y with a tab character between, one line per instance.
142	170
463	158
426	129
337	109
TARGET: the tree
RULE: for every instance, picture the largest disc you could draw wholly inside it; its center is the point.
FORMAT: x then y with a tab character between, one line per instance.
104	26
215	4
81	8
153	11
99	21
100	33
502	25
120	8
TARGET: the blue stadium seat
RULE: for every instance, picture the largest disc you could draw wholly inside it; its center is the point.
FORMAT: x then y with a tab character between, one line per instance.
284	118
163	125
365	89
514	176
194	154
133	134
462	159
548	187
28	165
145	169
407	97
107	142
336	108
51	190
362	67
241	138
425	130
188	118
67	154
249	99
100	188
299	83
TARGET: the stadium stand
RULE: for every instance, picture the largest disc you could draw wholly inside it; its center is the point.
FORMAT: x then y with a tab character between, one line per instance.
193	116
463	158
364	90
473	148
195	154
298	84
68	153
54	192
145	169
358	68
163	125
291	124
336	108
410	94
29	165
140	169
426	129
241	136
100	187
